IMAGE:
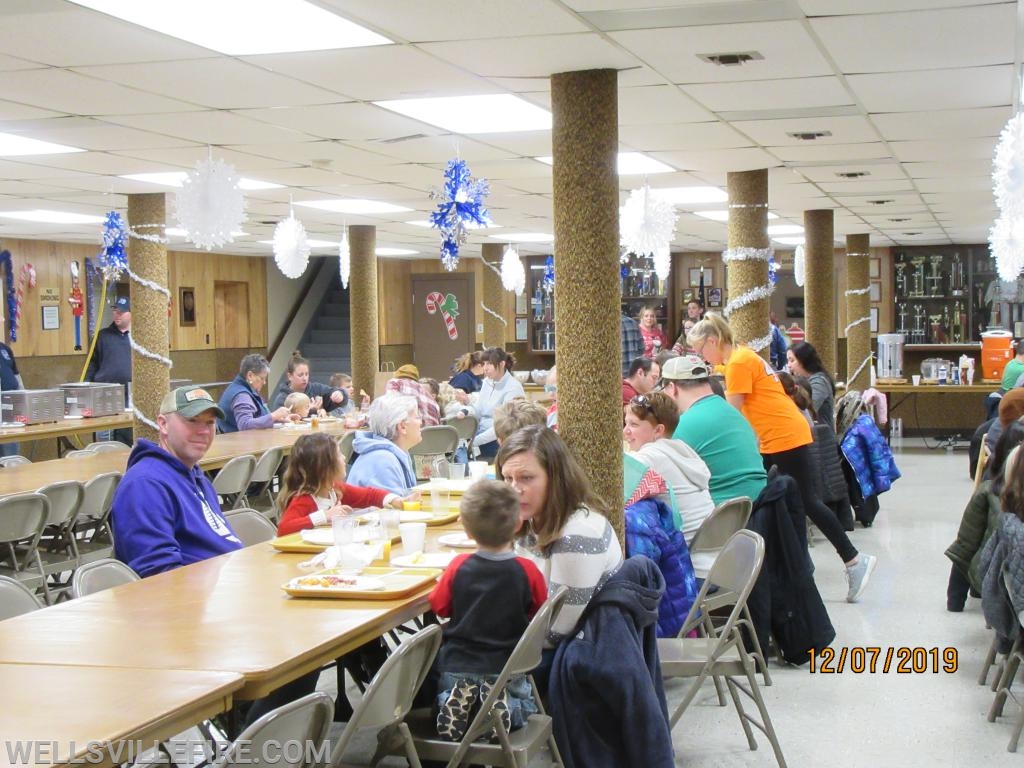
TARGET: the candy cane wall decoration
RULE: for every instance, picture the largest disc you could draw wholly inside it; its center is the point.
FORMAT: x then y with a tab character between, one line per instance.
448	306
26	275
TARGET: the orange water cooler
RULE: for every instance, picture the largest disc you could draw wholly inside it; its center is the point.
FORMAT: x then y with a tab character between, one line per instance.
996	352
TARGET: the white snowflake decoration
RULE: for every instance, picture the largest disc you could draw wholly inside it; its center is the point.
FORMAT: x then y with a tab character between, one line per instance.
210	205
291	249
799	265
662	262
513	275
1006	239
1008	167
647	223
344	260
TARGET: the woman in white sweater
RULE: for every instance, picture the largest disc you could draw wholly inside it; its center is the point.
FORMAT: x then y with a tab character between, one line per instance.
564	527
499	386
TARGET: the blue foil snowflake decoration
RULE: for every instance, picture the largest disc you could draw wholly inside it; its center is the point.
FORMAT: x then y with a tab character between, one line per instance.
773	271
462	205
549	274
113	259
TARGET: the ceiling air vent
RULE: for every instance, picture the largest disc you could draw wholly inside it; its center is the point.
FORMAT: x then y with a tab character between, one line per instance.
400	139
880	202
900	220
852	174
730	59
911	234
808	135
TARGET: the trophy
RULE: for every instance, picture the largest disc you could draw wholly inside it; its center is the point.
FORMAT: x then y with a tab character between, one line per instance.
901	313
917	278
901	279
956	276
935	278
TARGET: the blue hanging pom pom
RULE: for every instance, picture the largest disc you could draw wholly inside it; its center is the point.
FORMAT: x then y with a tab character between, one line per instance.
549	274
773	271
113	259
624	271
462	206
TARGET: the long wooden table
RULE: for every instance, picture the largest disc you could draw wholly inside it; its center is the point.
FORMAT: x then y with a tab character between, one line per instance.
60	713
29	477
227	614
65	428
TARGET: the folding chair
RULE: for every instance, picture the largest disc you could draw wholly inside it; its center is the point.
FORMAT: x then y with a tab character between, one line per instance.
16	598
58	548
273	737
441	440
466	428
82	453
22	519
13	461
718	527
250	526
389	696
262	482
1009	672
722	653
232	481
513	749
93	534
100	575
114	446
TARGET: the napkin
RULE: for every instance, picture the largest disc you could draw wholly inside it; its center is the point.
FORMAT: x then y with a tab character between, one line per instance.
356	556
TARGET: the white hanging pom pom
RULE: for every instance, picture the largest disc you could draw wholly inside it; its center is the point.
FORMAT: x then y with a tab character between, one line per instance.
647	222
513	275
662	262
1007	242
210	205
799	265
1008	167
291	249
344	260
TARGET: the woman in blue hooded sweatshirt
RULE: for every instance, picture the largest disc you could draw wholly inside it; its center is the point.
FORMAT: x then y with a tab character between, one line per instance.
382	454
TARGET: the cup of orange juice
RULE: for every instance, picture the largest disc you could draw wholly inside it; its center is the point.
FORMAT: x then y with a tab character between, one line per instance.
411	506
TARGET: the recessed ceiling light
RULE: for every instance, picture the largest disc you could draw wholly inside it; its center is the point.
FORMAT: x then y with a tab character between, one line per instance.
179	232
724	215
628	164
244	27
12	145
691	195
351	205
52	217
177	178
524	237
785	229
311	242
491	113
789	240
473	225
394	252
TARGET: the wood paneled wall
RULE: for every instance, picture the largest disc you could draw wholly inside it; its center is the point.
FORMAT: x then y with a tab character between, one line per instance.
200	271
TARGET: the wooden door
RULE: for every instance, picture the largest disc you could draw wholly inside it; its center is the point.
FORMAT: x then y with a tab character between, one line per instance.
442	321
231	313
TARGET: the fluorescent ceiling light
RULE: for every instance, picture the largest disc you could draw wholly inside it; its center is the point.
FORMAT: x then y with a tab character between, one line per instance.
724	215
691	195
244	27
179	232
177	178
354	206
525	237
789	240
785	229
311	242
52	217
629	164
493	113
472	225
394	252
12	145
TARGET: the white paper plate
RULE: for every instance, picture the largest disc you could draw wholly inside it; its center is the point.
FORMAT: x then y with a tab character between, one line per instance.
459	540
324	537
425	560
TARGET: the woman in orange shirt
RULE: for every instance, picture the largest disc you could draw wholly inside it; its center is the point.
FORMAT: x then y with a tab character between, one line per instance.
752	387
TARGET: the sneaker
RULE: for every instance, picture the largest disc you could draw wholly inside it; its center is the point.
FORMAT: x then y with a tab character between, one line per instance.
858	575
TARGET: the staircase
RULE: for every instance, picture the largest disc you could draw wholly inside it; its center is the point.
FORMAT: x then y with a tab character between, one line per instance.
326	342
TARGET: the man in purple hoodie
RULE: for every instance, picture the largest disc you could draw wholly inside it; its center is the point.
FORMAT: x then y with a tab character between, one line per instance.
165	512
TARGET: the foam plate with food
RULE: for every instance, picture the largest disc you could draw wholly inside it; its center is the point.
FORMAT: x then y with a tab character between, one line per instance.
425	560
458	540
338	581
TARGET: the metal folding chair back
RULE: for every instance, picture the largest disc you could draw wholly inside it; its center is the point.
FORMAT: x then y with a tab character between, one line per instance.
100	575
466	428
389	696
13	461
16	598
1010	665
58	547
93	534
273	737
22	519
232	481
261	484
439	441
82	453
718	527
114	446
250	526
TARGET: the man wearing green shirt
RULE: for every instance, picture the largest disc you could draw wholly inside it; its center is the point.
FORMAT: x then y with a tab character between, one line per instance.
1014	368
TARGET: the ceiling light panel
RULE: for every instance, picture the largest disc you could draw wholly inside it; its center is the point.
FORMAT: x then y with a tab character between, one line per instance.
353	206
177	178
243	27
13	145
52	217
629	163
490	113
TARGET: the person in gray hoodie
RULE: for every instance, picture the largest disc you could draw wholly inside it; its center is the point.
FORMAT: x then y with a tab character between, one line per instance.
382	454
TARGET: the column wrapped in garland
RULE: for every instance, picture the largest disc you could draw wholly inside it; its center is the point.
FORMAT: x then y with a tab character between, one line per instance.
362	301
493	301
746	260
858	314
819	291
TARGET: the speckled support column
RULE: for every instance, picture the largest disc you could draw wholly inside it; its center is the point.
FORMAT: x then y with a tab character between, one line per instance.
494	296
150	378
584	139
819	286
858	307
748	228
362	302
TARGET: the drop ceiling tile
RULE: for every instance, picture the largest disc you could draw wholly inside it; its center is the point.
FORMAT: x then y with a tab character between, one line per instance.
185	158
943	169
937	89
11	113
775	133
29	189
95	134
12	64
66	91
210	127
875	171
435	149
961	37
220	83
868	187
656	104
787	50
956	183
74	36
105	164
345	121
13	169
831	153
336	155
525	143
744	159
377	73
959	149
770	94
521	168
684	137
411	174
948	124
537	56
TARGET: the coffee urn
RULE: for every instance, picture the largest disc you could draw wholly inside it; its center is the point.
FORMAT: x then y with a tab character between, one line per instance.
890	356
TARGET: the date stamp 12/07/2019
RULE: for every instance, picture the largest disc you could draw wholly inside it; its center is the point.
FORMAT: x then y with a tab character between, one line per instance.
872	659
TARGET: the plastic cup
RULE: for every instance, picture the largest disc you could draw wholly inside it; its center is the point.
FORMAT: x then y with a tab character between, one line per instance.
414	536
344	530
378	537
390	518
478	470
439	495
456	471
970	376
916	378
